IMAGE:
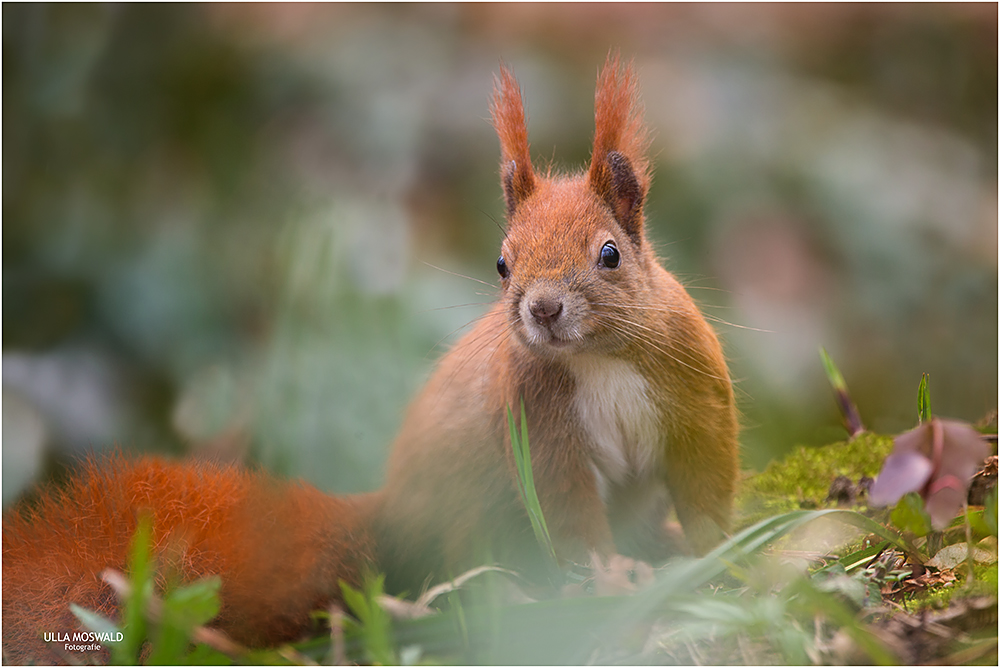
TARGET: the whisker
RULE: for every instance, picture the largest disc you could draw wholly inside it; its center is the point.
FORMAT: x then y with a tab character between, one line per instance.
692	286
488	341
457	329
446	308
618	307
453	273
656	345
707	316
720	321
495	222
653	331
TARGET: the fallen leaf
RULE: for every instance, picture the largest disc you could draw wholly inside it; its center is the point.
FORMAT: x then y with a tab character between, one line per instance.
949	558
921	582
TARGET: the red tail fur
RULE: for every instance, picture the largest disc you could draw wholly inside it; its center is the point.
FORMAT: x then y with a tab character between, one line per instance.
283	547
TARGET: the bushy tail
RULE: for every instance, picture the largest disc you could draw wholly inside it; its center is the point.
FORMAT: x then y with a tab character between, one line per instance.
281	548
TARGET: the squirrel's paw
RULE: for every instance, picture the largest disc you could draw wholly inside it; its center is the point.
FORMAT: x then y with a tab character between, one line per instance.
615	576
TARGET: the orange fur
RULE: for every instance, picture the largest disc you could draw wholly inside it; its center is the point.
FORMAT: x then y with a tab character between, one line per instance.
509	119
515	159
280	547
618	120
625	386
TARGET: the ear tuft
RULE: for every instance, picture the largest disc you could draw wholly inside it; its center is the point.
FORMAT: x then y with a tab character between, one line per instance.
619	169
507	110
624	194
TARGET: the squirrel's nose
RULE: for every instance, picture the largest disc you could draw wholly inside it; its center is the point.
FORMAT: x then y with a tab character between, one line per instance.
545	310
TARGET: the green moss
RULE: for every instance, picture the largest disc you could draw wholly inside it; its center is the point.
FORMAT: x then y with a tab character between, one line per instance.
939	597
802	479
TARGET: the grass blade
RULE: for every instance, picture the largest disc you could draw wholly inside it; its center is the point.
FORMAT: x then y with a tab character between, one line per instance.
685	576
140	568
848	411
526	487
373	623
94	621
923	401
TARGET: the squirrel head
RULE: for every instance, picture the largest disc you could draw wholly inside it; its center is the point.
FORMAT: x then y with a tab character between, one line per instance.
575	257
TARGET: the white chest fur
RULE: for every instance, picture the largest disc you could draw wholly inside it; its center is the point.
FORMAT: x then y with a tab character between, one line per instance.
615	409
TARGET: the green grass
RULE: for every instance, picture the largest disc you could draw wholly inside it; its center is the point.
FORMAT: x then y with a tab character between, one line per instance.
526	488
168	635
371	624
923	401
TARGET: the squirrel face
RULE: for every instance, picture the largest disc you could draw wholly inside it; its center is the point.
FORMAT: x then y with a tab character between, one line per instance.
574	264
568	269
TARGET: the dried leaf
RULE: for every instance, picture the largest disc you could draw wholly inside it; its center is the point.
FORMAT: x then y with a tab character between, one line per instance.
449	586
948	558
984	482
921	582
399	608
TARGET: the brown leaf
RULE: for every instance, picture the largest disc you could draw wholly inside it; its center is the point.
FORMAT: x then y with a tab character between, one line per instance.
984	482
926	579
950	557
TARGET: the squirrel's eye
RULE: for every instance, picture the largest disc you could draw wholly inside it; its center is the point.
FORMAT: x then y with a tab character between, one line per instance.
610	257
502	267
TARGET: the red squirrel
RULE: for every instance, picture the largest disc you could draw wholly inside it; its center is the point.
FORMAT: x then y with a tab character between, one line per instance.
625	386
627	397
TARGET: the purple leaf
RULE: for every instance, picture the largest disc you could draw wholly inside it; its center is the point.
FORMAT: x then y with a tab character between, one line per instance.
902	472
937	459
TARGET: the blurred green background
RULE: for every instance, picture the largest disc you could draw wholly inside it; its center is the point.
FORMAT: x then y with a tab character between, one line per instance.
234	230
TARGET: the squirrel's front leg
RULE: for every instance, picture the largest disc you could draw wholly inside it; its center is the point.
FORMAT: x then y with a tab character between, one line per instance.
702	473
571	502
577	517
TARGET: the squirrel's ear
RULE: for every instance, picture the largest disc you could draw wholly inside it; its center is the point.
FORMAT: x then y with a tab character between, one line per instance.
507	109
619	170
